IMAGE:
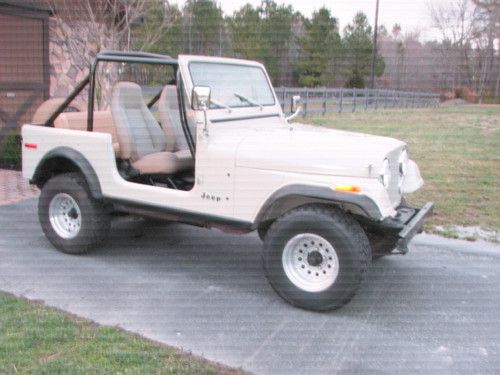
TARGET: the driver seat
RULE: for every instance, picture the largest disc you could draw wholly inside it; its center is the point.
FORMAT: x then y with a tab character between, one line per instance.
141	140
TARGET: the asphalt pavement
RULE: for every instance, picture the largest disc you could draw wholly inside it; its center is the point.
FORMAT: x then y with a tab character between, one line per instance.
433	311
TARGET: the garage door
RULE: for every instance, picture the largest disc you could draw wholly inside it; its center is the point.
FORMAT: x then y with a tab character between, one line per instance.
23	67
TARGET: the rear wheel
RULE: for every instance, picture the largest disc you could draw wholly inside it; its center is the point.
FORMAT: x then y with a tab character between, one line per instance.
71	219
315	257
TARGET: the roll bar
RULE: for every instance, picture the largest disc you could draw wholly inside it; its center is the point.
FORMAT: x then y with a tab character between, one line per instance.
108	56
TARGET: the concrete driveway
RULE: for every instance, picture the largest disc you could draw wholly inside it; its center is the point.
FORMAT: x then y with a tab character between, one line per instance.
436	310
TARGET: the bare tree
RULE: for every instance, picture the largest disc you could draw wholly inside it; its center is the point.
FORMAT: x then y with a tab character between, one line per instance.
90	26
455	22
86	27
486	31
469	29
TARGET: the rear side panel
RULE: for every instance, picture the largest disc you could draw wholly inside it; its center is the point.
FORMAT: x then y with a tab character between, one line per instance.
38	141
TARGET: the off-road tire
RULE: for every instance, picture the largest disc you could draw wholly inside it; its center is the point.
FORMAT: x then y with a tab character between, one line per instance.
346	236
262	231
95	219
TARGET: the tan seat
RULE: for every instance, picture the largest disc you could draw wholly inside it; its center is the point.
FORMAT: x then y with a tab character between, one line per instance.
48	107
142	141
162	162
168	107
103	123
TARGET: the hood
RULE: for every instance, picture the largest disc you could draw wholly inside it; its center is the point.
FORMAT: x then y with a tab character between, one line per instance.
315	150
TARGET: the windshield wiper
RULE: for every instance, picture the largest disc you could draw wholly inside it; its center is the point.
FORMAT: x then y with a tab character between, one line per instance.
250	101
220	105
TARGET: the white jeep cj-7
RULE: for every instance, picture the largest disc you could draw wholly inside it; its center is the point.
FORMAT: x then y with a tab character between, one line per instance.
222	154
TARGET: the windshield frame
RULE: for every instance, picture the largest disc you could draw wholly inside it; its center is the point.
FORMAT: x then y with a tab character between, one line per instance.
242	64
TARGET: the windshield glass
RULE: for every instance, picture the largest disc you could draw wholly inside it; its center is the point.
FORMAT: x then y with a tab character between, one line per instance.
233	85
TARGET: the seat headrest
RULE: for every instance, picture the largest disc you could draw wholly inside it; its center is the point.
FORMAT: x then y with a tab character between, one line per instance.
128	95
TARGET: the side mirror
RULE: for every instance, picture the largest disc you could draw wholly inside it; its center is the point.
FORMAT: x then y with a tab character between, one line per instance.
296	108
200	99
295	103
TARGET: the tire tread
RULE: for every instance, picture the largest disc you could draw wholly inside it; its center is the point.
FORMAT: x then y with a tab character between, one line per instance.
342	220
96	233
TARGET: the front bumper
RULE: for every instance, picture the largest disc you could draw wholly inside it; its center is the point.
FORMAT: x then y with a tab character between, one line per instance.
413	226
405	225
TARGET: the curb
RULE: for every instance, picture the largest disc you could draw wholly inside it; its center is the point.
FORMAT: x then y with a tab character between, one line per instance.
482	248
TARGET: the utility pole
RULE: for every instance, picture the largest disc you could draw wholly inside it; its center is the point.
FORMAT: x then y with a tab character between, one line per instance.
374	50
190	32
220	40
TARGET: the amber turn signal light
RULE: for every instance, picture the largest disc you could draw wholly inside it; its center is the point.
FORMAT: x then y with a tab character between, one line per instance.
348	188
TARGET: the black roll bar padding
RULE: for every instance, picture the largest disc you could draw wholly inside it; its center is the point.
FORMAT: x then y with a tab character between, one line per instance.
90	106
138	60
153	101
124	57
78	89
182	112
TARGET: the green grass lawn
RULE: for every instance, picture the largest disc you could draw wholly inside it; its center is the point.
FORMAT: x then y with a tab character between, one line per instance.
457	149
35	339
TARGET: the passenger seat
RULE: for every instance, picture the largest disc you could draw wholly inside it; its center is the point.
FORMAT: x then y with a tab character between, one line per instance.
168	107
142	141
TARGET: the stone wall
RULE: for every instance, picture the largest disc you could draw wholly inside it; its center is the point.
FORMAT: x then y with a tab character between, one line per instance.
69	68
65	73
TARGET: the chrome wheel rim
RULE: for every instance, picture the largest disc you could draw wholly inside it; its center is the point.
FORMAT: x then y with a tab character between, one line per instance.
65	216
310	262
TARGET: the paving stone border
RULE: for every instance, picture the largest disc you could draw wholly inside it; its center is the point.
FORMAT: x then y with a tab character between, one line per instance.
15	188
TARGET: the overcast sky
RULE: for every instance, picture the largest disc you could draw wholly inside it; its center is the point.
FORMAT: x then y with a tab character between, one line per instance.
411	14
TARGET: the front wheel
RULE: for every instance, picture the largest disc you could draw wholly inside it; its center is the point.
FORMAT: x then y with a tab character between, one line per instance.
315	257
71	219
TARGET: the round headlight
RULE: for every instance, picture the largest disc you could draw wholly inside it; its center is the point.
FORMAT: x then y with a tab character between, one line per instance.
385	173
404	158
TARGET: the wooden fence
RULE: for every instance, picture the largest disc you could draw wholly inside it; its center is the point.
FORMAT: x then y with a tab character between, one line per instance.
321	101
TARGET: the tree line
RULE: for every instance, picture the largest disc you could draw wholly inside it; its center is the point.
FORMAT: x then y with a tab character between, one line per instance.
296	50
463	62
299	50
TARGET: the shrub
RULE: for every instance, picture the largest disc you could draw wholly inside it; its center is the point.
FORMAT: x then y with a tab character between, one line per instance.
466	93
491	100
11	152
447	95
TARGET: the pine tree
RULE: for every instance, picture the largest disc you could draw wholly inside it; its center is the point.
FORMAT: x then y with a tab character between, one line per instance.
204	27
358	47
245	27
170	40
320	45
277	34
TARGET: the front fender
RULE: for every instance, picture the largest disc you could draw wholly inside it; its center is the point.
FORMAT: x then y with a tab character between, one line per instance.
293	196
